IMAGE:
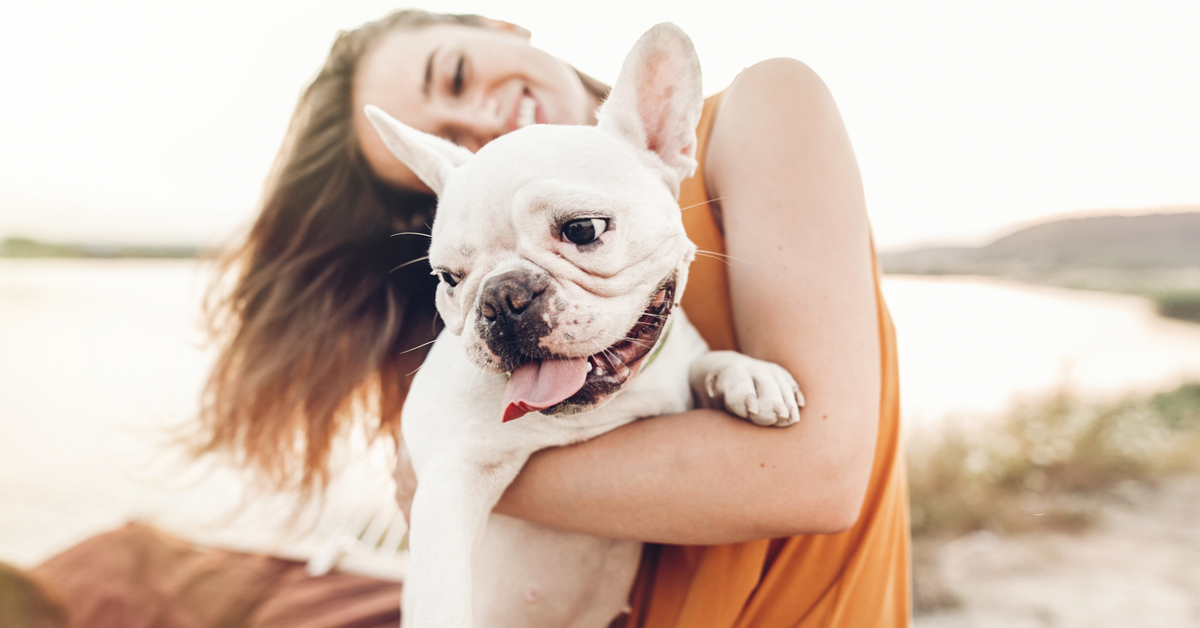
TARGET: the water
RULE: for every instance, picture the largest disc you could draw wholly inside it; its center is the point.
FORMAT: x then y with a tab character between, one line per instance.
100	362
98	359
969	346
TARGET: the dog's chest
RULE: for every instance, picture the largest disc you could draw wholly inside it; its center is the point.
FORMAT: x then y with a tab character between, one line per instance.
531	576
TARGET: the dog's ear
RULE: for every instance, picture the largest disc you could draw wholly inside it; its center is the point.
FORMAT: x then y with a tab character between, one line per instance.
430	157
657	99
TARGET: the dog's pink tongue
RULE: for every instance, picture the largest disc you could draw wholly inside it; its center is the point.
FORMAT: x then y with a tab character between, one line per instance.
540	384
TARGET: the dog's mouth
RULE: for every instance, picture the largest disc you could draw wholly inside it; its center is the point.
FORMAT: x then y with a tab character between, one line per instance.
568	385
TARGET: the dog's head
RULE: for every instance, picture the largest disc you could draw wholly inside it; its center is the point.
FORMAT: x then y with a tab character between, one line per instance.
561	249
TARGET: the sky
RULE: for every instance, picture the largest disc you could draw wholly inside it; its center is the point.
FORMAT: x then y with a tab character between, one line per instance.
146	121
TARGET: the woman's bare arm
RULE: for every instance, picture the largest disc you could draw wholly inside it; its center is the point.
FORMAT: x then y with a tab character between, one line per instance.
802	291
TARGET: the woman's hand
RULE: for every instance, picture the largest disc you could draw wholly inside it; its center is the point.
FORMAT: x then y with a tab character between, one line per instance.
406	480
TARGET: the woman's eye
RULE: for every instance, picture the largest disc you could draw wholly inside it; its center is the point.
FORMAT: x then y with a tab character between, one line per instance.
456	84
448	279
584	230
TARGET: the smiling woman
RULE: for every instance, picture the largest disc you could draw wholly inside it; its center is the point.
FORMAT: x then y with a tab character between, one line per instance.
805	526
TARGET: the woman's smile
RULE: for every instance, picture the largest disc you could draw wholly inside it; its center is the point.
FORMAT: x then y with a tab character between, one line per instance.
466	84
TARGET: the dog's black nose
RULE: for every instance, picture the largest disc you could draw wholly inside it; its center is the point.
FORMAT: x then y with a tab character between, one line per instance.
505	298
508	297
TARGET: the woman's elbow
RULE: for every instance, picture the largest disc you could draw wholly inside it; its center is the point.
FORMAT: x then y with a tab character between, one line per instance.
840	510
839	516
836	489
843	515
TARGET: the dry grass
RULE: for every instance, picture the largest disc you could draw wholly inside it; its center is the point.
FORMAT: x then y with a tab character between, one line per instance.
1040	464
1047	464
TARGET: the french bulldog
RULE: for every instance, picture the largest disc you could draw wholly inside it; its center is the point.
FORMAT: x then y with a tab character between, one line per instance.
562	258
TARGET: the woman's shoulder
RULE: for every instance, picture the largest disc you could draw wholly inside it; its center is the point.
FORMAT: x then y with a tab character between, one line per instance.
770	90
774	78
778	109
781	82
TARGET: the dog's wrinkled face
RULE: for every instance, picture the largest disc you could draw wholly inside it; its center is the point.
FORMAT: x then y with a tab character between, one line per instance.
562	254
561	249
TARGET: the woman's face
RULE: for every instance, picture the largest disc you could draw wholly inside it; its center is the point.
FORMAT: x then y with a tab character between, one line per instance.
468	84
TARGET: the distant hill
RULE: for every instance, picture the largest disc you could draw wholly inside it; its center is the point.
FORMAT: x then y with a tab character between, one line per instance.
1153	255
25	247
1115	243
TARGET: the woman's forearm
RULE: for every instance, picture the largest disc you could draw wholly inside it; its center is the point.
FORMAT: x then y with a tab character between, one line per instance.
700	477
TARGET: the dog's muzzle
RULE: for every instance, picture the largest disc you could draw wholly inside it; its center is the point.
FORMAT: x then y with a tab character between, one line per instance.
513	319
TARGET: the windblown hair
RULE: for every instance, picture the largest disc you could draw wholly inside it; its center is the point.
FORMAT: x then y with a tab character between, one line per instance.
331	306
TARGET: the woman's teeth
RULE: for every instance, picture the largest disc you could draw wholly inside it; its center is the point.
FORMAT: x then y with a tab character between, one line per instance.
526	112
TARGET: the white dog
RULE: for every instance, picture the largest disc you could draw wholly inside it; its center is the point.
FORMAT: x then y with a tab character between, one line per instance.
561	252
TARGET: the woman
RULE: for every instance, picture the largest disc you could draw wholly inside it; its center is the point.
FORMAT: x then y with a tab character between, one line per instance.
748	527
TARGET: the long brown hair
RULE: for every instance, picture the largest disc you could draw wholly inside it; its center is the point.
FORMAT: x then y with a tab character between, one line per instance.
332	303
323	314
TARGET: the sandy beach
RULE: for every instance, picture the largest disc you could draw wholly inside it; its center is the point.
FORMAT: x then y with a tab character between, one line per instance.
1140	566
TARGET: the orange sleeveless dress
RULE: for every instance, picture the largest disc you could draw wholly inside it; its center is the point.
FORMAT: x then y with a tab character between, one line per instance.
857	579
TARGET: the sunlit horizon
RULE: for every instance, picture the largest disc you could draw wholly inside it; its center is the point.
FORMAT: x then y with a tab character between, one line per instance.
140	122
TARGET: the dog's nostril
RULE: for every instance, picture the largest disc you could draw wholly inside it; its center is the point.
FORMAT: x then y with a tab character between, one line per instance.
488	311
518	302
510	298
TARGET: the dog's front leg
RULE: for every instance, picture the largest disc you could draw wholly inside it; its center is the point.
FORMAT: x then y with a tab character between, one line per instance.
449	513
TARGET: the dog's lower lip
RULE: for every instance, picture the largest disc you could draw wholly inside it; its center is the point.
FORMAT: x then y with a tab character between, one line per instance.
610	369
615	364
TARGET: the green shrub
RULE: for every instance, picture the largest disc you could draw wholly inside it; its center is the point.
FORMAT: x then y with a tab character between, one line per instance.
1180	305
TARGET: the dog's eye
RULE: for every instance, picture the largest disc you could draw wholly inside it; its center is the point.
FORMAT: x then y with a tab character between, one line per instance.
584	230
448	279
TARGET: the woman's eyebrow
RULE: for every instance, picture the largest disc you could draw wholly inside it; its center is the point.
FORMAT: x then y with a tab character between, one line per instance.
425	86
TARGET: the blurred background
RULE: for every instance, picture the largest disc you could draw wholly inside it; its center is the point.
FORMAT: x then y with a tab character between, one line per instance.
1032	172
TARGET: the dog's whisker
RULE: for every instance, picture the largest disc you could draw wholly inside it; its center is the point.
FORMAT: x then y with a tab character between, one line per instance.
605	352
721	256
411	261
719	259
416	233
424	344
715	254
612	356
474	378
711	200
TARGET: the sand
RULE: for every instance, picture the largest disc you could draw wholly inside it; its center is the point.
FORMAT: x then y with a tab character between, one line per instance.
1140	566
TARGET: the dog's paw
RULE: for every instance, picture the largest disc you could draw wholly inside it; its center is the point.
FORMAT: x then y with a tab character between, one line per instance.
762	392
